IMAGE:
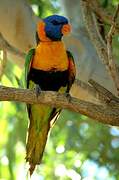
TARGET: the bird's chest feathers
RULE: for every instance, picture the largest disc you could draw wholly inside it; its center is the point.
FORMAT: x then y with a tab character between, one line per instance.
50	56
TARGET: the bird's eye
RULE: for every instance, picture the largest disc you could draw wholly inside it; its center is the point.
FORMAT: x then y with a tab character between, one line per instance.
54	22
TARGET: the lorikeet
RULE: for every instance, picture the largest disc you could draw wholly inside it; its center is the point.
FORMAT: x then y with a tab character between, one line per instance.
48	67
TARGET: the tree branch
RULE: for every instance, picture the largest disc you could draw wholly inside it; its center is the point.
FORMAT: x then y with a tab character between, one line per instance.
102	14
101	113
99	44
112	65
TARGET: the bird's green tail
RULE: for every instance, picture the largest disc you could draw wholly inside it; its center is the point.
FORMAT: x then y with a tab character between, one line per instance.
37	134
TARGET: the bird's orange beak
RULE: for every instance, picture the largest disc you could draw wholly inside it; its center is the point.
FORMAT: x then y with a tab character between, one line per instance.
66	29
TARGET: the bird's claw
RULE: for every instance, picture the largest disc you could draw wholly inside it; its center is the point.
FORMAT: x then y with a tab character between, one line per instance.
38	90
68	96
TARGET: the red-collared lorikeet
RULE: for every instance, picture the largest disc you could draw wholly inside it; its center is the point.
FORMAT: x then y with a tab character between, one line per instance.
51	68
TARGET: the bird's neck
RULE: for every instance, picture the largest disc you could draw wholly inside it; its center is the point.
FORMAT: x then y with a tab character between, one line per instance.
50	55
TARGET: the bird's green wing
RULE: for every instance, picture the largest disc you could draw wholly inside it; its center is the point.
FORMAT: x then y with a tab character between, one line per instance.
28	61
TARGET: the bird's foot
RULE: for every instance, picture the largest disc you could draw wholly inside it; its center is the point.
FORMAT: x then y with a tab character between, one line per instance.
68	96
38	90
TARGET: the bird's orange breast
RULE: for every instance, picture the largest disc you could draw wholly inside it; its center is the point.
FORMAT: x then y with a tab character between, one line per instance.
50	56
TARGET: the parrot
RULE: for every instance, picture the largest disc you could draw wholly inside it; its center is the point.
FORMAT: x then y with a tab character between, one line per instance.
48	67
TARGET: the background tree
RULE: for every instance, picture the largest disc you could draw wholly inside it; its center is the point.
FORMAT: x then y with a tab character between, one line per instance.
78	148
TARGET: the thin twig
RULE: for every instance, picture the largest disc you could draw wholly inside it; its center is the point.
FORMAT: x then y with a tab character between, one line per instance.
111	64
102	14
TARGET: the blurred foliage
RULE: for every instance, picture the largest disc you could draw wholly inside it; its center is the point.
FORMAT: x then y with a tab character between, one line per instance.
44	8
78	147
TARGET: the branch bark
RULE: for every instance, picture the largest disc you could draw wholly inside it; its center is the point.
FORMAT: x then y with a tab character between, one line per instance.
102	113
112	65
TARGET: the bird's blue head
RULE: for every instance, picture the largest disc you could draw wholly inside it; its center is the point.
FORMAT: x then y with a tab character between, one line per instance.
52	28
